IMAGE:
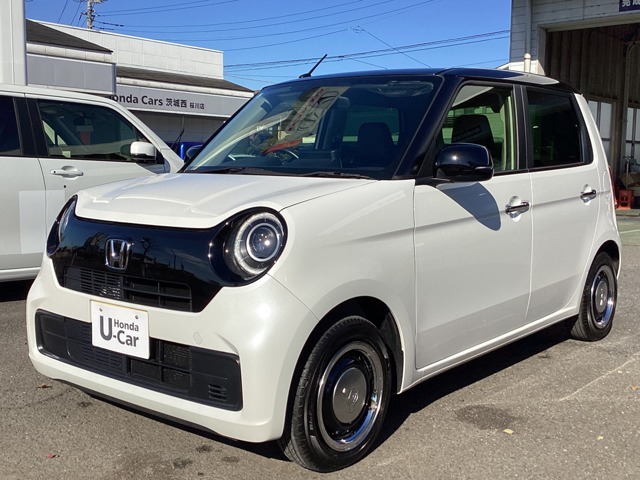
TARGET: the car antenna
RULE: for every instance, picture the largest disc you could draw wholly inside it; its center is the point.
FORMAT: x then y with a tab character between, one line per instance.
308	74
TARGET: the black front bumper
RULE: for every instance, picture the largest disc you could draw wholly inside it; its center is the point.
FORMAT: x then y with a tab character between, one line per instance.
195	374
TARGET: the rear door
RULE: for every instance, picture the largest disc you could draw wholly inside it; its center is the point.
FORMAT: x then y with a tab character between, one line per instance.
85	144
566	200
22	193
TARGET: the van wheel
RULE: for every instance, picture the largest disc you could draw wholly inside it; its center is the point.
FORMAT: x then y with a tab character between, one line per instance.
599	298
341	398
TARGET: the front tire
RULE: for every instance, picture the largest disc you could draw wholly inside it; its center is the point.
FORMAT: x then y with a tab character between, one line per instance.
341	398
599	299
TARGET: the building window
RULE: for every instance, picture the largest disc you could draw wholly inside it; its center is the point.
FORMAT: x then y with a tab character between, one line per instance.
632	140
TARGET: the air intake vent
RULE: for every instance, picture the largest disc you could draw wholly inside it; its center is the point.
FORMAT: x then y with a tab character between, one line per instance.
141	291
203	376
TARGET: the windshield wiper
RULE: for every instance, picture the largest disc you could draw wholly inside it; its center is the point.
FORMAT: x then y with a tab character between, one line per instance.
338	175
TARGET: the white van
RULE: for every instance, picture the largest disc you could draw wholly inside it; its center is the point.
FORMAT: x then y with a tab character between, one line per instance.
53	144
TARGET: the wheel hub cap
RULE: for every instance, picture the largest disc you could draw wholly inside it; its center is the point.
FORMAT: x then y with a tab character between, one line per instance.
349	395
601	297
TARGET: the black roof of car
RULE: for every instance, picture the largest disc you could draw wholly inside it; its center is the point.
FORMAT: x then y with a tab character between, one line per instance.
475	73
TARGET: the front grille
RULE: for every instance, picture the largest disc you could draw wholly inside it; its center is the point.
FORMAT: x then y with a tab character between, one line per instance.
142	291
203	376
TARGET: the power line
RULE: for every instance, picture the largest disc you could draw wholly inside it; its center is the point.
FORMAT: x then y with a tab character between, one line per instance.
399	51
244	23
333	24
381	52
63	9
166	8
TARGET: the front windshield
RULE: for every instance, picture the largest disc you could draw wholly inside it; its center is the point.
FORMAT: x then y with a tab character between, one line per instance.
326	127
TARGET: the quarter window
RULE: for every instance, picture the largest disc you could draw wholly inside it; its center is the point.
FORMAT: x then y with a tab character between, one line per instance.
484	115
554	130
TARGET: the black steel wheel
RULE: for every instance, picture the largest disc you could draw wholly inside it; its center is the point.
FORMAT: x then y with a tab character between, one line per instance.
341	398
599	300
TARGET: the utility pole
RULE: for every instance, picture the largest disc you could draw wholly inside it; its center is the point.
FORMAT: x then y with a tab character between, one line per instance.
91	15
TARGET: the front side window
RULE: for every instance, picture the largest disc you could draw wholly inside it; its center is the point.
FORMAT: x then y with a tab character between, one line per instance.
9	139
335	127
555	130
483	115
89	132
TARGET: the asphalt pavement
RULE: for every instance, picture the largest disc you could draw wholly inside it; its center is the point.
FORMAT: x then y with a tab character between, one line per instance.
546	407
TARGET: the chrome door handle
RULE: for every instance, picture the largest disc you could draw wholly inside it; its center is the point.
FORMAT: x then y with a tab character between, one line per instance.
516	206
67	173
588	194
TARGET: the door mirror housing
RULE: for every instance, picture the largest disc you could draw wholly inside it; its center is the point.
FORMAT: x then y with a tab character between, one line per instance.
143	152
463	162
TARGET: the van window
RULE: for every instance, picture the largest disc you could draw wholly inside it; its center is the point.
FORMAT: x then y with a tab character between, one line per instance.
89	132
484	115
554	130
9	139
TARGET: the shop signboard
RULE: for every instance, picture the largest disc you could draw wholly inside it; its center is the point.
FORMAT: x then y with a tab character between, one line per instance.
629	5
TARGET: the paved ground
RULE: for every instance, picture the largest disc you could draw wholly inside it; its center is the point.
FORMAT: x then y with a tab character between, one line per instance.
543	408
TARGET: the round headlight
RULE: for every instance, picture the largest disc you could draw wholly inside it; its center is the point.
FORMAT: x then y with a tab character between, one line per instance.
254	244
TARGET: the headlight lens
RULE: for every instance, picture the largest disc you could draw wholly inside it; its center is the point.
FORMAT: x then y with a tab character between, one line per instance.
254	244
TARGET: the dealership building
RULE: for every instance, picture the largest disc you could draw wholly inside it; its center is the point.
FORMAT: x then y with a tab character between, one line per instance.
593	45
172	88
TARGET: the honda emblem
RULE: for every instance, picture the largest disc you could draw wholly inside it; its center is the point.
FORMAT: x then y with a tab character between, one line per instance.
117	254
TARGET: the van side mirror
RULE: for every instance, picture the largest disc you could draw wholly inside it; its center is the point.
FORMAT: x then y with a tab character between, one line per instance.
143	152
463	162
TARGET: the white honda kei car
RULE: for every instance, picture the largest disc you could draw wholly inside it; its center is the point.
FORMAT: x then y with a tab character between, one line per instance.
342	238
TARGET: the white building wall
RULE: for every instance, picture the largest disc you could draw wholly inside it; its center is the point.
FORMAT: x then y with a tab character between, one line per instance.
549	15
152	54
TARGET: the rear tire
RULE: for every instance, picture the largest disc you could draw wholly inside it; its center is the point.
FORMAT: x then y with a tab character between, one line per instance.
599	299
341	398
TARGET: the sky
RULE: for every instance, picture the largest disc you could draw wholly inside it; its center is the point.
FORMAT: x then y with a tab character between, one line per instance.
266	42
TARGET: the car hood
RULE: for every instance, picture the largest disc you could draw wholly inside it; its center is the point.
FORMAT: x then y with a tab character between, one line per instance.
200	200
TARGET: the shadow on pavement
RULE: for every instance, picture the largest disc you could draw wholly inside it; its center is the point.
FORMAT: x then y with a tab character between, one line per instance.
14	291
421	396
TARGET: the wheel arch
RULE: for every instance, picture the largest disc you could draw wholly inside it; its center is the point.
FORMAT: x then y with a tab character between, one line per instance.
374	310
612	249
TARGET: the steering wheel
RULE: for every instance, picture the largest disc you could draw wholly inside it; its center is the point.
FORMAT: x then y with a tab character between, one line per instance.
285	155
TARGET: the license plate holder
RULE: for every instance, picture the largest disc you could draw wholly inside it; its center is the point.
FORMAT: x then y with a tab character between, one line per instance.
120	329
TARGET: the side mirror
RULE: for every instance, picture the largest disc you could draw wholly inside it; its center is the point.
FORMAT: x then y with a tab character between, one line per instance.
192	152
143	152
463	162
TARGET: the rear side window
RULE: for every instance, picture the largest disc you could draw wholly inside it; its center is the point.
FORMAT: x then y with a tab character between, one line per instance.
555	130
9	139
89	132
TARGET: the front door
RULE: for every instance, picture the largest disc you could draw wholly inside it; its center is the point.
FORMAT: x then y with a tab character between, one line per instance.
88	145
473	259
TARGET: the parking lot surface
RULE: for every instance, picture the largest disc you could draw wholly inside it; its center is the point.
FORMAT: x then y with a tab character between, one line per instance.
546	407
